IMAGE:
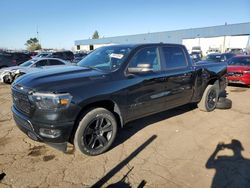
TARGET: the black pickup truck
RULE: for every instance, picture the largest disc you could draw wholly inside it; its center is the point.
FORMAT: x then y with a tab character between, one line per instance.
86	104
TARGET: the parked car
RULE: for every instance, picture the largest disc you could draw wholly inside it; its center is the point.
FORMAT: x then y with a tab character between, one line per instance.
227	56
213	50
236	51
113	85
197	50
42	54
79	56
217	57
195	57
238	70
65	55
8	59
31	54
8	75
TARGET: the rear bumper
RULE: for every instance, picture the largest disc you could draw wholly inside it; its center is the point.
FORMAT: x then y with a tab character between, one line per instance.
32	130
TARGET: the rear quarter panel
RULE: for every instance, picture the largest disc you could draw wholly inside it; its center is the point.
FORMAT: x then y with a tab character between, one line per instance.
207	73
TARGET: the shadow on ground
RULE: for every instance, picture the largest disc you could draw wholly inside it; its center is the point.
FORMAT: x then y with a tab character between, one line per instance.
133	127
122	183
231	171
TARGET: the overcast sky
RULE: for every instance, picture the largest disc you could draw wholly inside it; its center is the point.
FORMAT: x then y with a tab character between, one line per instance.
62	22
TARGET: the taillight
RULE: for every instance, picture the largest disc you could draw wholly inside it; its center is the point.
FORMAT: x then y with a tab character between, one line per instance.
13	61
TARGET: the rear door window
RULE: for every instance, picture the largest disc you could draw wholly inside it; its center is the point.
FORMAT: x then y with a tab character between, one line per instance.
174	57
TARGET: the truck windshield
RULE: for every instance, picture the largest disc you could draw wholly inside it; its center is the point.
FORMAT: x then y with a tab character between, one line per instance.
107	58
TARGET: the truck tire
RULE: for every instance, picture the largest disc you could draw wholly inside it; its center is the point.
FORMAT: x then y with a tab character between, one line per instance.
209	99
96	132
224	103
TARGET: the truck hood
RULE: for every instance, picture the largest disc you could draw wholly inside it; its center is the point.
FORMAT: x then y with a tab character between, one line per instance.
59	79
239	69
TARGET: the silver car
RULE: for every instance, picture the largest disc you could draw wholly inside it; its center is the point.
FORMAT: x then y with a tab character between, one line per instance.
8	75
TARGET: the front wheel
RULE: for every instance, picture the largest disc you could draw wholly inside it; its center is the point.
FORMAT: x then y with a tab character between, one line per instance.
8	79
209	99
96	132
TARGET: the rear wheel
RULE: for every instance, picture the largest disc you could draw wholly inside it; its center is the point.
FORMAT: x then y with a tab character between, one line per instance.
96	132
209	99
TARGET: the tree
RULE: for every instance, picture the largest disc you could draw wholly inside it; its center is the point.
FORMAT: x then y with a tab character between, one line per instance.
95	35
33	44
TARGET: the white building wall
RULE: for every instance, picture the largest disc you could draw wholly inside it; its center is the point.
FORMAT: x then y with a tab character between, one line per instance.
205	37
222	43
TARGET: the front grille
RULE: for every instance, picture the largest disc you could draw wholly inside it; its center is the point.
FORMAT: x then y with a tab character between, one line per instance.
236	74
21	102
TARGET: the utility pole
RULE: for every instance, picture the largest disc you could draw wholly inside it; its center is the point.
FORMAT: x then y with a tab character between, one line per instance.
224	41
37	35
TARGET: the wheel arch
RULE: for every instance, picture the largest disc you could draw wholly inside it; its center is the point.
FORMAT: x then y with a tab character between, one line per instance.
213	81
107	104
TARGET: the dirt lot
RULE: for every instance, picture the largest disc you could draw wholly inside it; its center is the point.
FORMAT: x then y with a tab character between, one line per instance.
170	149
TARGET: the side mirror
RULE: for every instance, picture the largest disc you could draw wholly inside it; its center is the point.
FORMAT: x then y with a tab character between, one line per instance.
141	68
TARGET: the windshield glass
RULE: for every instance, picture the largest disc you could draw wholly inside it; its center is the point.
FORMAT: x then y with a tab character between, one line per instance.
240	61
107	58
214	57
27	63
228	56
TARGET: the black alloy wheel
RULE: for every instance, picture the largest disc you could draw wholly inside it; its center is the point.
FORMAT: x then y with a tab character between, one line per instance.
211	99
98	133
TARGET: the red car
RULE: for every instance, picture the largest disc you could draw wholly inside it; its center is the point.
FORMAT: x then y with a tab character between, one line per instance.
238	70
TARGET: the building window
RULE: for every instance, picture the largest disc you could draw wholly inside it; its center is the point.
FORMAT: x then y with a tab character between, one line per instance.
91	47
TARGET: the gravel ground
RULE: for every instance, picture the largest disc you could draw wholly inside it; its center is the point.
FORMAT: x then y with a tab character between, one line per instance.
176	148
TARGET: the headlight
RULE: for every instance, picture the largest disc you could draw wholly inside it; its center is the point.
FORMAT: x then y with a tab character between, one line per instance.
50	101
246	71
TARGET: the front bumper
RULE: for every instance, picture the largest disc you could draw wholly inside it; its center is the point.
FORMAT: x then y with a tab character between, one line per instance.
31	129
244	79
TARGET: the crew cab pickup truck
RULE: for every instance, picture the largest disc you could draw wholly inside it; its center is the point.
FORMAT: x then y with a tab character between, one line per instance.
85	104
